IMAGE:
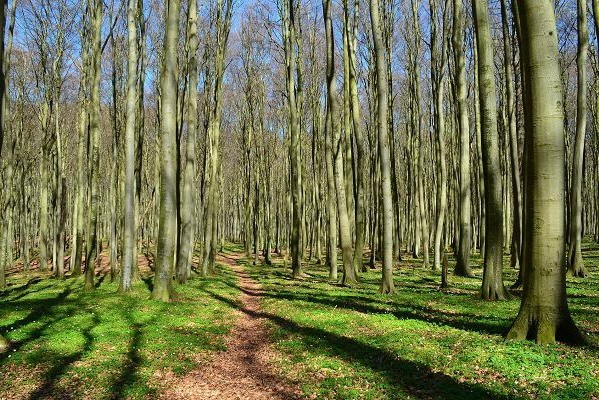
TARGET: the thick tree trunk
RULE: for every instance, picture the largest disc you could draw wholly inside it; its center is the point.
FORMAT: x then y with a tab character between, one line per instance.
360	162
543	314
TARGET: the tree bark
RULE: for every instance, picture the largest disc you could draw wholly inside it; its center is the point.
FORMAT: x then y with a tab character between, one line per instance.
387	285
575	263
493	287
94	131
544	314
463	255
166	241
130	235
188	198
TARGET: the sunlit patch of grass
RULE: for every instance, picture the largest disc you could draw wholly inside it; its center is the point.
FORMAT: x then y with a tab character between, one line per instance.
103	345
353	343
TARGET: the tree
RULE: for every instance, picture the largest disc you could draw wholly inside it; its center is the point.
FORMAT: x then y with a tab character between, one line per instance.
516	247
575	262
165	246
289	39
94	134
188	198
387	285
493	287
130	235
333	130
3	341
222	23
462	267
438	75
544	314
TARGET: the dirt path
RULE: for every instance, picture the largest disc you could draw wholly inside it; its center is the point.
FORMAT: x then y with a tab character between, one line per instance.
244	370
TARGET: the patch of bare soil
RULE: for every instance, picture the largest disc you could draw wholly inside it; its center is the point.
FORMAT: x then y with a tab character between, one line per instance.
244	370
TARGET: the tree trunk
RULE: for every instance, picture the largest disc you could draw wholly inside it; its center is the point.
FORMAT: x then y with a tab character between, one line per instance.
130	236
492	288
333	130
94	129
387	285
166	241
544	314
575	264
463	255
188	198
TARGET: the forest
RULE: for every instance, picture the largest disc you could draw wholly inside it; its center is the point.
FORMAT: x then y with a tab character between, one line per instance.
299	199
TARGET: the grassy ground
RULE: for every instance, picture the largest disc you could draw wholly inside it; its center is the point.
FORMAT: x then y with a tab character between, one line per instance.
70	344
335	342
352	343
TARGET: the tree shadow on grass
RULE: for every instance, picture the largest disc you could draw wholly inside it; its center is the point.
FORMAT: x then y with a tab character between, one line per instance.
39	309
399	310
414	378
128	373
20	288
149	281
48	388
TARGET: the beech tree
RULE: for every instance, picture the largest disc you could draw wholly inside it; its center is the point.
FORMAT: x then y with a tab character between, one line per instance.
543	314
166	240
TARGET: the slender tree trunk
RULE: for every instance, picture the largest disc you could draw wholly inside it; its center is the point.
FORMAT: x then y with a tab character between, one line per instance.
166	241
289	37
438	65
333	129
188	199
463	256
516	247
130	236
360	155
575	264
94	128
492	288
387	285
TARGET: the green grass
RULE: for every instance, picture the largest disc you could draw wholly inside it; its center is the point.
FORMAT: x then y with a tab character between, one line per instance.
352	343
334	342
103	345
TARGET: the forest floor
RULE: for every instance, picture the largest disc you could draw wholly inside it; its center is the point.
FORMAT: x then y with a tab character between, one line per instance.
244	370
251	332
